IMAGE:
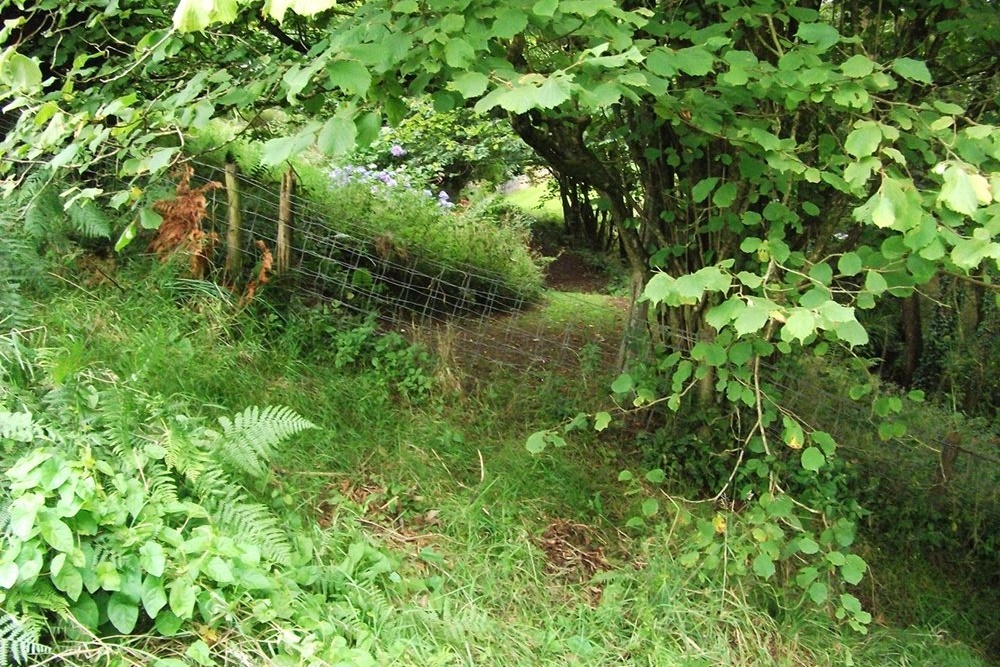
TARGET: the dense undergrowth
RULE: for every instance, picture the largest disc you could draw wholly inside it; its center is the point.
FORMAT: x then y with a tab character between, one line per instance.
388	225
417	530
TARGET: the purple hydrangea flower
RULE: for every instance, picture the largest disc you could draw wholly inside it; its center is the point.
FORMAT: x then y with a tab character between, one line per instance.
397	150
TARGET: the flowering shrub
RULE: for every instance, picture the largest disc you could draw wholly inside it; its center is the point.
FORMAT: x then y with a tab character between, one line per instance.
449	149
382	179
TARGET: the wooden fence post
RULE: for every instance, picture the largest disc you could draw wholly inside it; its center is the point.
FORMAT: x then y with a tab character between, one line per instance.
283	250
234	232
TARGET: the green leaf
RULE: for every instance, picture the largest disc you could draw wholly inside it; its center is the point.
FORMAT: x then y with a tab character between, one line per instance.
601	421
650	506
883	211
851	333
200	653
625	476
469	84
149	219
857	66
451	23
536	442
751	319
153	595
725	312
219	570
18	72
725	195
349	76
695	60
23	512
849	264
458	53
545	7
958	192
369	126
623	384
914	70
969	253
763	566
662	62
818	592
808	545
168	624
107	576
553	92
863	140
821	34
338	136
821	272
276	8
56	533
183	595
69	581
196	15
509	23
853	569
825	442
85	611
128	234
518	100
800	325
659	288
123	612
812	459
702	189
875	282
275	151
656	476
152	558
8	575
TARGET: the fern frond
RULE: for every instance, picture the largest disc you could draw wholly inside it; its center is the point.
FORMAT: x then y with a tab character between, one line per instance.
18	641
251	436
252	522
161	484
183	455
41	595
44	216
88	220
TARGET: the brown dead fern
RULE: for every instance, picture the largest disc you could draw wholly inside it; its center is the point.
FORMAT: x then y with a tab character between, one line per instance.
181	229
263	274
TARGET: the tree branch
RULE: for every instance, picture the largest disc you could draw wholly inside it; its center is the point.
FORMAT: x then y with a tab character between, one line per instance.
275	30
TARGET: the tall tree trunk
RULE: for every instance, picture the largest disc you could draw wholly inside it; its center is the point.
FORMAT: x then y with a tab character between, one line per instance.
913	338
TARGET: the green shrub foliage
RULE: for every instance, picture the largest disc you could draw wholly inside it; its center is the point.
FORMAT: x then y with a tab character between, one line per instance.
119	515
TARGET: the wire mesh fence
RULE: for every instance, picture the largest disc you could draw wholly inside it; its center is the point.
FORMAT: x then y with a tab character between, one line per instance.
363	272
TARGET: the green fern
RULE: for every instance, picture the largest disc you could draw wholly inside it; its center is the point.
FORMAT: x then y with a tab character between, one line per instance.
184	455
251	436
45	216
18	641
88	220
254	523
245	446
161	484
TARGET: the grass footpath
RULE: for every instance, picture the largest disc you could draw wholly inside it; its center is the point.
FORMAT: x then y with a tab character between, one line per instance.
497	557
